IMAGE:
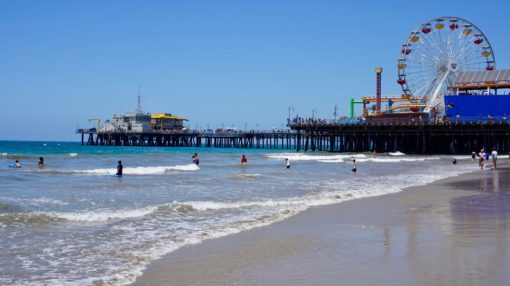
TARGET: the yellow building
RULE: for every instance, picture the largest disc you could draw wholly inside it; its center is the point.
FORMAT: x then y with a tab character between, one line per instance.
166	121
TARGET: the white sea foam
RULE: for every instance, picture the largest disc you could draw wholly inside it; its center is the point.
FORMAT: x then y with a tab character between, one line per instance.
249	176
103	215
35	201
397	160
133	170
307	157
398	153
4	154
73	154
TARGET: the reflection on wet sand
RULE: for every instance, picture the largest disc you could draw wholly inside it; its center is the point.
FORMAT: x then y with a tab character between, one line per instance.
463	241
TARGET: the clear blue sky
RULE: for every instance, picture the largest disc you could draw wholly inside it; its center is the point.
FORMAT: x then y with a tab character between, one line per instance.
214	62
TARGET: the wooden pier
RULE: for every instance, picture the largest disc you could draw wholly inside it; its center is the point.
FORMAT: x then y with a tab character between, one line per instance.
251	139
406	137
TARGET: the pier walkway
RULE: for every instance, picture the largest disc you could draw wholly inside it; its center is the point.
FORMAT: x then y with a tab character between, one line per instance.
406	137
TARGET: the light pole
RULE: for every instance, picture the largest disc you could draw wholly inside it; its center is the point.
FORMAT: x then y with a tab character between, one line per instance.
245	124
336	111
314	111
291	108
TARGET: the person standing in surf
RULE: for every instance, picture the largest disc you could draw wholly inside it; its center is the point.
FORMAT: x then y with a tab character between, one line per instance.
354	165
481	158
244	161
287	163
119	168
494	156
40	163
196	160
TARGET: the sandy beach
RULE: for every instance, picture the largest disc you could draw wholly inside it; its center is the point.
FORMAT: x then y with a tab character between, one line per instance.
451	232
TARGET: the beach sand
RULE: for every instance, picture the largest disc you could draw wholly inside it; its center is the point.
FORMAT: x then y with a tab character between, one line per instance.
452	232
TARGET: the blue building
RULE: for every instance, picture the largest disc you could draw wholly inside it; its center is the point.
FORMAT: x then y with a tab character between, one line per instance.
480	96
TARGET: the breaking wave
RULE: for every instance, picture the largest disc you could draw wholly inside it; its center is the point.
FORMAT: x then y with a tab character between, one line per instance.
132	170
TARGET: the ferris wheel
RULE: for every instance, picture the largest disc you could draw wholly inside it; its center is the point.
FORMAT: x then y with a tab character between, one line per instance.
434	52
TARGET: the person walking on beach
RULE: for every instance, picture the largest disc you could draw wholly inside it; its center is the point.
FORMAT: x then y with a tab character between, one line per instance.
40	163
244	161
354	165
287	163
494	156
119	168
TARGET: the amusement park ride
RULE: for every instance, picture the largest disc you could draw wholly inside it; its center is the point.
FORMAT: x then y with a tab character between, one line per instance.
431	59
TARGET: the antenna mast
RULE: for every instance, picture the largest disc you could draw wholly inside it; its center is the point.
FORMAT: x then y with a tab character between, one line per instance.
139	106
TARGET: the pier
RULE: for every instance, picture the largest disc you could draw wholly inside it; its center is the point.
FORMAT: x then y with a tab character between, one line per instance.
180	138
404	136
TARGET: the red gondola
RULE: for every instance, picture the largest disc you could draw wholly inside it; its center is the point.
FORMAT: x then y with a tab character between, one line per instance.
478	41
406	51
490	68
401	81
454	26
426	30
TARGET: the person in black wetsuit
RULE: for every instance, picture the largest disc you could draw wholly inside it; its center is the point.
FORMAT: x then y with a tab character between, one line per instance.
119	169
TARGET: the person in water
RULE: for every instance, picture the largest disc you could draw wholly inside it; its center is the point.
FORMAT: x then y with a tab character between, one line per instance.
287	163
354	165
119	168
17	164
494	156
196	160
481	159
40	163
244	161
454	161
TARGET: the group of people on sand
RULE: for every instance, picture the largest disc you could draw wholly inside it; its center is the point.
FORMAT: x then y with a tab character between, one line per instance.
484	156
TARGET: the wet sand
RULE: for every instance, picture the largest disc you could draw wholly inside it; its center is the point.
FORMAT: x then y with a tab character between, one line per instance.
451	232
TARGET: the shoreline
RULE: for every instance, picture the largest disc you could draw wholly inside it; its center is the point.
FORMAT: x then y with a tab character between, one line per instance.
363	241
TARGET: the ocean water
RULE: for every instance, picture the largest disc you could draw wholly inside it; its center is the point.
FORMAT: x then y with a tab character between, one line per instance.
74	223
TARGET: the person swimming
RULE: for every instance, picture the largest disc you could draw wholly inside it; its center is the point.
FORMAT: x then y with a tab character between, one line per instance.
119	168
244	161
17	164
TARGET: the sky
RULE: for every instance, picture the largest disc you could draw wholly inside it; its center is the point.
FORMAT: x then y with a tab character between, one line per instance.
217	63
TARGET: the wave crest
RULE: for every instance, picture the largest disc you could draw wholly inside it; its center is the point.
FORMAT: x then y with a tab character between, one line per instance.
158	170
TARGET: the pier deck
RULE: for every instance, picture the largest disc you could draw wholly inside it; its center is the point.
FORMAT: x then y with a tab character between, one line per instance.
407	137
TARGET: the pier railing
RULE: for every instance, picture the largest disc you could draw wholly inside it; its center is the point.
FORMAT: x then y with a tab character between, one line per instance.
389	135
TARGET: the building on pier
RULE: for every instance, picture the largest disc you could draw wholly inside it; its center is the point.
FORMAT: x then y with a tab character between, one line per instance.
479	96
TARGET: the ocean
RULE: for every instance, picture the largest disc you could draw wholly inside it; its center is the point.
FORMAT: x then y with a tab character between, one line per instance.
74	223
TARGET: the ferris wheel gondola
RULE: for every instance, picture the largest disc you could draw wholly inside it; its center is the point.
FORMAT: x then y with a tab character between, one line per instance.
434	52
